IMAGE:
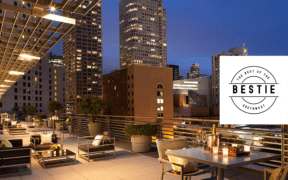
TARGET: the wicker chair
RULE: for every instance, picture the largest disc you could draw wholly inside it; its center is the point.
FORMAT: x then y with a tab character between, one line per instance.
284	175
174	144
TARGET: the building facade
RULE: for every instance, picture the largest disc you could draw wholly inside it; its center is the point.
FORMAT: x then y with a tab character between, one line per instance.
194	71
237	51
175	71
142	33
139	90
82	58
44	82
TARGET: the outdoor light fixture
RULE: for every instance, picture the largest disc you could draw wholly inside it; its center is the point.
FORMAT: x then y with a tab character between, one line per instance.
28	56
9	81
16	73
4	86
58	18
52	8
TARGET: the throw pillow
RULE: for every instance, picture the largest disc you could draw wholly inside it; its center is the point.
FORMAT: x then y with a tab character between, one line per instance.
46	138
188	165
277	173
13	123
5	144
97	140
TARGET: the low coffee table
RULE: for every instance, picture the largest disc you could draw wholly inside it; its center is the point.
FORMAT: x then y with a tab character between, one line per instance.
16	130
47	159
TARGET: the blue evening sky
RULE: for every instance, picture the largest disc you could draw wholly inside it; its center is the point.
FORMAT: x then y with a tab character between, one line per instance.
196	29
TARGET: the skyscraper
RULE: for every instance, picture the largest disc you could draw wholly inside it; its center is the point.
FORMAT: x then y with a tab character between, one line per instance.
175	71
194	71
142	33
238	51
82	57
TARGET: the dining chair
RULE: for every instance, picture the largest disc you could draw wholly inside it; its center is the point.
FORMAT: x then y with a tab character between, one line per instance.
175	144
280	173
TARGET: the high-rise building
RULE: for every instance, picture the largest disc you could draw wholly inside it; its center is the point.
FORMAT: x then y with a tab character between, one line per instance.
194	71
54	59
42	83
237	51
82	57
142	33
139	90
175	71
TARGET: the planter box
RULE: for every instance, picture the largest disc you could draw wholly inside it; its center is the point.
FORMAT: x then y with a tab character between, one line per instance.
95	128
141	143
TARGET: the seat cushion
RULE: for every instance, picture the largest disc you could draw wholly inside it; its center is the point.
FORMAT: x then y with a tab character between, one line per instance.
41	146
95	148
188	165
172	144
277	173
5	144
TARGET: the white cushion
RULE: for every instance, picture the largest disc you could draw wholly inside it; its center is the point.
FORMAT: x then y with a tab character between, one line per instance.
46	138
13	123
97	140
188	165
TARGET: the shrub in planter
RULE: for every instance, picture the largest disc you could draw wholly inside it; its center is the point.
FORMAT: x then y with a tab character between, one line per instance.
93	106
31	110
54	106
25	115
141	136
40	117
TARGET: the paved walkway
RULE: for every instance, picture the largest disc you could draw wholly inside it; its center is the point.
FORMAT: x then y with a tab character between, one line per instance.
126	166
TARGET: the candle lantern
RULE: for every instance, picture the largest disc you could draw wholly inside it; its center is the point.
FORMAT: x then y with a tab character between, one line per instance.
225	151
247	148
215	150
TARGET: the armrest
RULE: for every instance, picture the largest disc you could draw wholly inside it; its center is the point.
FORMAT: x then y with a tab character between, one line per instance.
266	172
169	162
83	137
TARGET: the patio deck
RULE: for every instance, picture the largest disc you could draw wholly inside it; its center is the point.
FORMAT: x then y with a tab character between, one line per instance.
126	166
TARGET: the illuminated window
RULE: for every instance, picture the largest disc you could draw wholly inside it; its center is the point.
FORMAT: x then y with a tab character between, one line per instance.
55	71
55	82
55	77
160	108
55	88
55	99
160	93
160	101
36	85
36	79
55	93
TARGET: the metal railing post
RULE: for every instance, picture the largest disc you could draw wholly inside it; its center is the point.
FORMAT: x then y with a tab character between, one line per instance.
282	150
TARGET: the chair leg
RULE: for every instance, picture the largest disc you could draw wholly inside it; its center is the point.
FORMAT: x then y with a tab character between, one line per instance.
182	173
162	171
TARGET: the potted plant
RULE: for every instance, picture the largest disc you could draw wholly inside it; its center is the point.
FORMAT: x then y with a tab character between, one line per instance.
15	110
31	110
141	136
92	107
54	106
25	116
59	124
55	148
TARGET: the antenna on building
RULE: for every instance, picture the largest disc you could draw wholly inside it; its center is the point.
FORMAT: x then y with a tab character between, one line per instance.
243	44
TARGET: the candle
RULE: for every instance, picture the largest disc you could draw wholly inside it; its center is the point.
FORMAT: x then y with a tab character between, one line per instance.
234	145
247	148
54	153
215	150
210	141
64	151
225	151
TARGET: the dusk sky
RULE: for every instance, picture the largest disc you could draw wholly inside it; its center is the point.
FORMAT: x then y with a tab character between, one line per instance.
196	29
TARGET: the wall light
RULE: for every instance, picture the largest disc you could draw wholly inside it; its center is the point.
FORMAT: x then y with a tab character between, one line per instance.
59	18
28	56
16	73
9	81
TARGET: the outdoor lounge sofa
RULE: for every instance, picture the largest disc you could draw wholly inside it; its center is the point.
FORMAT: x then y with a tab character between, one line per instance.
282	176
15	160
35	143
95	152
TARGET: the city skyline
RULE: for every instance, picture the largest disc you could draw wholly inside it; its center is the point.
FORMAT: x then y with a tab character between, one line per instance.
198	30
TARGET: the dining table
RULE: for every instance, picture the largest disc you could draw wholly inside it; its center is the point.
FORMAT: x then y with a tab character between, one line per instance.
222	162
